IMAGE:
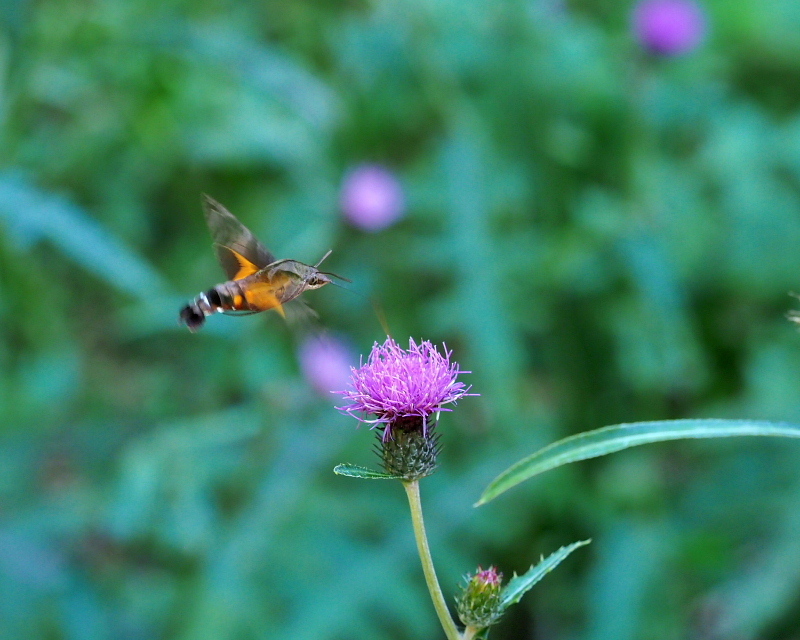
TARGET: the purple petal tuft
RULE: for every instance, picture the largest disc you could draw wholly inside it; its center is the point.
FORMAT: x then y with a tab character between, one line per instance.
395	383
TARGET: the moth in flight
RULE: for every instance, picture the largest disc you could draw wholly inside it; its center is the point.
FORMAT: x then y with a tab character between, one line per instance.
257	281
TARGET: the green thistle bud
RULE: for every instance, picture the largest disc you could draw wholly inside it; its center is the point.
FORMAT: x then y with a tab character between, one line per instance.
411	449
478	604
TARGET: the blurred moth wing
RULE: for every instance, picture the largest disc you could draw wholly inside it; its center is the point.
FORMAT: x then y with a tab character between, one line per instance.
239	252
257	281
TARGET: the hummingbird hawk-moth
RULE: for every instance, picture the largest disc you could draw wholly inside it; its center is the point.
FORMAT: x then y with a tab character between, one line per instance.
257	281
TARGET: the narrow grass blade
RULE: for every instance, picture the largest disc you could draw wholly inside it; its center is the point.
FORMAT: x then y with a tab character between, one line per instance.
600	442
34	213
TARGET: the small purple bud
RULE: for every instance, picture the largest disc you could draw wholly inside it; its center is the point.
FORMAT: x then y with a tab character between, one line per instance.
326	362
669	27
371	197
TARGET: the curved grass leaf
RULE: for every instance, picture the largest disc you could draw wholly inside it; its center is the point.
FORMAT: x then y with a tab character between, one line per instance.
518	586
33	213
356	471
600	442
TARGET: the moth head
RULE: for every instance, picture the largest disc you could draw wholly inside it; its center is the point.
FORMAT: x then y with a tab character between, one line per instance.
318	279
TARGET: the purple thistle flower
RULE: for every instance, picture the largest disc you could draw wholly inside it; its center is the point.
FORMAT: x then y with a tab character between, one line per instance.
669	27
396	385
371	197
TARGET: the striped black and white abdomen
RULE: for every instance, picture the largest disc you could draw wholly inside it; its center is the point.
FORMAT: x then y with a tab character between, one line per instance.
228	296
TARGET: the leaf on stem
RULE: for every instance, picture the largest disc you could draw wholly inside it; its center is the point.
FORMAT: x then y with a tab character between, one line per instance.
356	471
600	442
518	586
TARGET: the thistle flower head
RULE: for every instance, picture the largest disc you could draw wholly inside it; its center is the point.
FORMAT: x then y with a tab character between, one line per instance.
479	602
397	384
397	391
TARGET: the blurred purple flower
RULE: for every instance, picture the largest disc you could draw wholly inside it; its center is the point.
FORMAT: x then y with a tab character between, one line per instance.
396	384
669	27
371	197
326	363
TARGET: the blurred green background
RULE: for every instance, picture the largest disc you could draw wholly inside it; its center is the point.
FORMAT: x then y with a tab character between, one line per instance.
599	234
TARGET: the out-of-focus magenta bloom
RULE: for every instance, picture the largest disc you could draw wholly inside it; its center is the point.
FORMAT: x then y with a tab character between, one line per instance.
371	197
326	363
396	384
669	27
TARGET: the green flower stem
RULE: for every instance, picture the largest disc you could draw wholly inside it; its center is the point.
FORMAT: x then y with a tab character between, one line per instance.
450	629
469	633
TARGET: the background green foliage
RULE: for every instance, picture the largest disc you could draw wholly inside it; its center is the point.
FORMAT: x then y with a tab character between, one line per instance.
599	236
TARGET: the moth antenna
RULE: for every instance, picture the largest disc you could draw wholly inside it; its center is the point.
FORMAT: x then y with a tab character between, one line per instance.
329	252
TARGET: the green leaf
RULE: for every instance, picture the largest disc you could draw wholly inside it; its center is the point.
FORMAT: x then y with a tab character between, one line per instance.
356	471
600	442
518	586
33	213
